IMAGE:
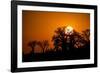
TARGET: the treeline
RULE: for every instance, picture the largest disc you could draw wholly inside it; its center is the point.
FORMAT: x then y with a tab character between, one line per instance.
63	41
67	45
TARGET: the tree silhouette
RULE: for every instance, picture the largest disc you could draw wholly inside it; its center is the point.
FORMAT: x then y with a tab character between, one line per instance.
67	46
81	40
86	35
32	44
59	38
68	41
78	40
43	44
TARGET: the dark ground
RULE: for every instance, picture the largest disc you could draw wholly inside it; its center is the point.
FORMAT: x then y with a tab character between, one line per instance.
81	53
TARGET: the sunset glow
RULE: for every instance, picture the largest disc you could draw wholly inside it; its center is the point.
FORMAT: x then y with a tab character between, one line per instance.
41	25
69	30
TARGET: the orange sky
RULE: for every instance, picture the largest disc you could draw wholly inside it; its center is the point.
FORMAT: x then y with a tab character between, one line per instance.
40	25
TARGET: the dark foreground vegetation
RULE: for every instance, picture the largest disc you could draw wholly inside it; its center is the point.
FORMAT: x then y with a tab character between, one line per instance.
67	46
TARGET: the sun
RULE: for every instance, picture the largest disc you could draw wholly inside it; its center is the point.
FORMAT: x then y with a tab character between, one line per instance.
69	30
